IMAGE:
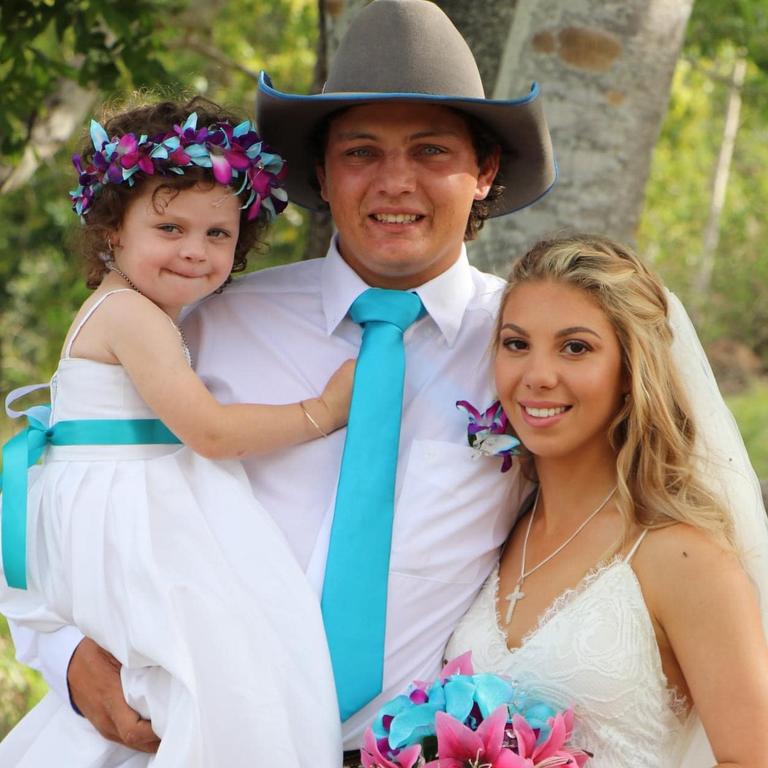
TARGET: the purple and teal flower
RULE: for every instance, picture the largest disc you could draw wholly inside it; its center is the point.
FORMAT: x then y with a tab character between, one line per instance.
236	156
487	432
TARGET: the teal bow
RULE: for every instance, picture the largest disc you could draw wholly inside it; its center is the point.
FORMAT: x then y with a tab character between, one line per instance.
25	449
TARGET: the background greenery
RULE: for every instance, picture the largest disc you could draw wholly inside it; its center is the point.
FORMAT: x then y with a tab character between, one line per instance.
217	47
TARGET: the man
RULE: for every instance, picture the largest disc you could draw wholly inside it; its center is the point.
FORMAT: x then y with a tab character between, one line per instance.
407	152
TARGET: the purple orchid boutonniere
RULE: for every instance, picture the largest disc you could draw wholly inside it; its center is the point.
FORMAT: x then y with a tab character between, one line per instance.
486	432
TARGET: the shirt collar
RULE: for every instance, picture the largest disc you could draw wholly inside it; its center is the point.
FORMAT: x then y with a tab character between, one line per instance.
445	297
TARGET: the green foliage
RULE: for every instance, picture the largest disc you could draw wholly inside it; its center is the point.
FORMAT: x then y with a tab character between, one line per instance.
679	190
751	412
20	688
680	185
218	52
742	24
99	43
41	284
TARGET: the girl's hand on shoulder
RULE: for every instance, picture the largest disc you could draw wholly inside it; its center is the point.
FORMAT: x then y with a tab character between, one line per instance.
337	394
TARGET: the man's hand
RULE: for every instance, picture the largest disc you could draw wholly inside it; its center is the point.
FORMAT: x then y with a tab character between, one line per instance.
94	685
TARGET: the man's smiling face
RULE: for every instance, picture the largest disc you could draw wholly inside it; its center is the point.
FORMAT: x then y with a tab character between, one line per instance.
400	179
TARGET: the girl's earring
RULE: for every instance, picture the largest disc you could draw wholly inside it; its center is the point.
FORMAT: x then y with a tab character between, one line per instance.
108	256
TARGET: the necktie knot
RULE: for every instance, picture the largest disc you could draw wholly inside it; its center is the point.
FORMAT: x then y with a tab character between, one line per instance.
401	308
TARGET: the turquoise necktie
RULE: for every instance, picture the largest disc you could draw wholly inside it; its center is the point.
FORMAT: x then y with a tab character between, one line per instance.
354	599
25	448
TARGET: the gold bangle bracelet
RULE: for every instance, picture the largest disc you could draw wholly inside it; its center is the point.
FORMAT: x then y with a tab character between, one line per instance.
311	420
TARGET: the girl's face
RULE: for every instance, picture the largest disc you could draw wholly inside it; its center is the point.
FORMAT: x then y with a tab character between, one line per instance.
176	250
558	370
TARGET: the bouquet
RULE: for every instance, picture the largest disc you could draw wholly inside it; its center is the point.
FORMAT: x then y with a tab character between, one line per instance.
463	720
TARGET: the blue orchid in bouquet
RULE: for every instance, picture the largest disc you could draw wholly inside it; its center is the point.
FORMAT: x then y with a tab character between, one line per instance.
487	432
466	720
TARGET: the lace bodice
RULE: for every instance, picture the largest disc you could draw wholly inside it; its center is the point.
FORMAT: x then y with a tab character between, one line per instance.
593	649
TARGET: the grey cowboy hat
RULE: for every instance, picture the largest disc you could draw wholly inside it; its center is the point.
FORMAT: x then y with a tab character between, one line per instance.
408	50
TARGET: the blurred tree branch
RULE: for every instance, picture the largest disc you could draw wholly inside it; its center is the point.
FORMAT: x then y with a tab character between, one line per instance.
55	55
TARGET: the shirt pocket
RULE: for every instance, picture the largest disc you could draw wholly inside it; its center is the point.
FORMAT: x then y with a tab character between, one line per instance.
454	511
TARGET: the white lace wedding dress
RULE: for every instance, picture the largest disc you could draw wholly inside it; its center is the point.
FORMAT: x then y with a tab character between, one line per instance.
594	649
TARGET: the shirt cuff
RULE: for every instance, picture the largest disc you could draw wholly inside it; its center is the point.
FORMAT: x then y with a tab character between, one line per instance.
55	651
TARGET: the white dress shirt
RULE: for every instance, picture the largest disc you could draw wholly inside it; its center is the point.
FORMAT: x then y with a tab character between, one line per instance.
276	336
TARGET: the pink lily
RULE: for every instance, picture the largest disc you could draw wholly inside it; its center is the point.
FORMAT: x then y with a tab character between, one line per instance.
461	665
371	755
458	745
551	752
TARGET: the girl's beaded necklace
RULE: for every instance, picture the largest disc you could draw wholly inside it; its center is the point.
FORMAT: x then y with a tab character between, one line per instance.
112	267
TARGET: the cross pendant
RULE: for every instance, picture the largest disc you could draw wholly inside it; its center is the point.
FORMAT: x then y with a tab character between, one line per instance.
513	598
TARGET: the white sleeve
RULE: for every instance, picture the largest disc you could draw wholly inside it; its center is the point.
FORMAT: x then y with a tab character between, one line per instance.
47	652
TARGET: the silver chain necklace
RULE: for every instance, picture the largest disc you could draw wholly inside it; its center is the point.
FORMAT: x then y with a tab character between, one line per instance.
514	597
112	267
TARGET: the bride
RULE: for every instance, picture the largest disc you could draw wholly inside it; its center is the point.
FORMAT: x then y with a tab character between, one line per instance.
628	587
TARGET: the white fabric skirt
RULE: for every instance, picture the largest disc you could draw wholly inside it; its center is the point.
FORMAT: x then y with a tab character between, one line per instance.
219	633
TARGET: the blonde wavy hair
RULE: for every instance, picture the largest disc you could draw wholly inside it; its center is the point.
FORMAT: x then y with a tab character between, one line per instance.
659	476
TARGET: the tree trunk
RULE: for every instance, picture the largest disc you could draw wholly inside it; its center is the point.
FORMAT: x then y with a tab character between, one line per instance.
333	19
67	108
605	69
703	275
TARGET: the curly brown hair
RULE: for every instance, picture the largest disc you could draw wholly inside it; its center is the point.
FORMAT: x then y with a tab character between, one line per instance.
108	209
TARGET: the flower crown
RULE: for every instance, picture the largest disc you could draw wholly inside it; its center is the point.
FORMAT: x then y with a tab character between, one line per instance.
236	155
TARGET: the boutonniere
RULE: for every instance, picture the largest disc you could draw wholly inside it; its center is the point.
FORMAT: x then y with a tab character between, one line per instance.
486	432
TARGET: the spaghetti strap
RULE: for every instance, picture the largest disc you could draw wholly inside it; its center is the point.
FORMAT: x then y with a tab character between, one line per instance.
632	551
87	317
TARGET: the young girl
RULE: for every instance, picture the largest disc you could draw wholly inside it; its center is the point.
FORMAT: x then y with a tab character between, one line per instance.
221	640
625	588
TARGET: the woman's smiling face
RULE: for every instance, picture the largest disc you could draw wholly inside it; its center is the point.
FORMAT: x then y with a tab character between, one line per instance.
558	368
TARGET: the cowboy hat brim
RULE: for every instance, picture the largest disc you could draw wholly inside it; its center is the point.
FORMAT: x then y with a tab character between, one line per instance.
289	122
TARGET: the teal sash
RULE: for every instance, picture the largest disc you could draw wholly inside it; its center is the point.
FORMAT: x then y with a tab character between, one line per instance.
24	449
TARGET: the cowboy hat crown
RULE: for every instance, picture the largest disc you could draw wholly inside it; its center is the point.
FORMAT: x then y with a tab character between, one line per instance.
409	50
